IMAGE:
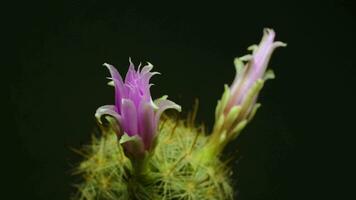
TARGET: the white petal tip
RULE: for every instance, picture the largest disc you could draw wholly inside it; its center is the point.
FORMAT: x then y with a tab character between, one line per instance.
280	44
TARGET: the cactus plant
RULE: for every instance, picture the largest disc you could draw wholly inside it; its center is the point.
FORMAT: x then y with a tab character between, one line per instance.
143	155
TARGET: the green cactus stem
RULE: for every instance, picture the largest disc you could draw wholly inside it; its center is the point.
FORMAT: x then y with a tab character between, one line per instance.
172	171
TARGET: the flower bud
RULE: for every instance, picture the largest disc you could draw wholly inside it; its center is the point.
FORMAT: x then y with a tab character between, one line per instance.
238	103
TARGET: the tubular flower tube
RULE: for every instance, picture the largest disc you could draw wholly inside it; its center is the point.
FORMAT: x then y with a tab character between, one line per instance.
238	103
136	114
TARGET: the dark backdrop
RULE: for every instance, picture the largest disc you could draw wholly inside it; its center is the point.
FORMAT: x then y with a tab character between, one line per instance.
56	81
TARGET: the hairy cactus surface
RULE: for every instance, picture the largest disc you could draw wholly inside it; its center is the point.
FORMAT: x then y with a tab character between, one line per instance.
143	156
172	171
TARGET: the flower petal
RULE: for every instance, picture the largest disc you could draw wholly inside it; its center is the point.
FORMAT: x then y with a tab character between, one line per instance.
147	68
119	86
107	110
129	117
115	123
262	55
114	73
133	145
147	123
131	74
163	104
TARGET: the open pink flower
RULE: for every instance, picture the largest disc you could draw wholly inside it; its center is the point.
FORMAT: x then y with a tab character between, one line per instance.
134	110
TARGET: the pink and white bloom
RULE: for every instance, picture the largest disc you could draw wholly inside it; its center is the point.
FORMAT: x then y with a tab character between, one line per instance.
254	69
136	113
238	103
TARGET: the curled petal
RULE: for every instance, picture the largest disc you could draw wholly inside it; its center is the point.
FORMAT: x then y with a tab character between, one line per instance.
133	145
110	110
107	110
147	68
163	104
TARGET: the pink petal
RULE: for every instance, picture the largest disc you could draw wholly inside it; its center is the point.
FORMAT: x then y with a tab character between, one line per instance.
114	73
119	86
131	73
107	110
147	124
164	104
129	117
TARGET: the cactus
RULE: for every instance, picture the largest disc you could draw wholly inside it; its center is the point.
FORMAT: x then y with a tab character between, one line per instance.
172	171
169	158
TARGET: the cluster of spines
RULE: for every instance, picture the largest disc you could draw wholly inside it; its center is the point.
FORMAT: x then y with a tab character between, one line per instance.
173	172
103	170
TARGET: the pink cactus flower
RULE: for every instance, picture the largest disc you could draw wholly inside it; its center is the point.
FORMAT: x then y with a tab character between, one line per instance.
135	112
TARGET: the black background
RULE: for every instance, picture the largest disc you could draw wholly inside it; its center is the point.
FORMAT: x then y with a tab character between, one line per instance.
56	81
